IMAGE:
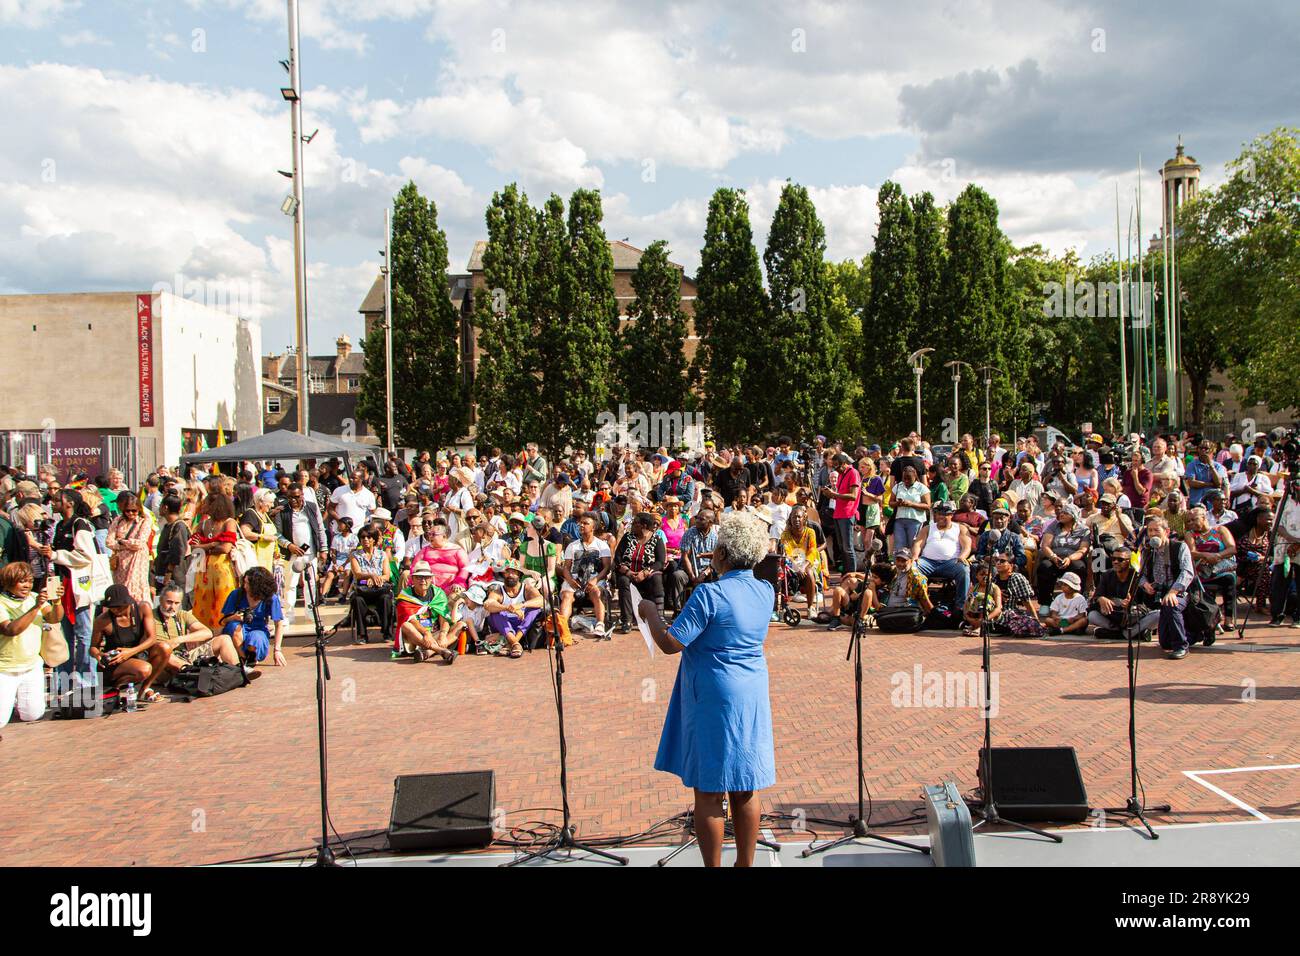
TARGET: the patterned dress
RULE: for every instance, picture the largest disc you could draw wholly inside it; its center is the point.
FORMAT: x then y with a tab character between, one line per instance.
131	563
215	582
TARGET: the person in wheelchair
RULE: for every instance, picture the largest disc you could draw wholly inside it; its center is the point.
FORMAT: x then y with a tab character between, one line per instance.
584	574
799	547
372	592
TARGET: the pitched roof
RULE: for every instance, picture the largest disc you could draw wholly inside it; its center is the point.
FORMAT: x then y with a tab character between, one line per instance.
457	285
625	256
326	366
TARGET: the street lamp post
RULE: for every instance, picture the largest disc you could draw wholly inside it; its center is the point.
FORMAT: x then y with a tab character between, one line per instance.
956	365
917	361
988	371
388	324
293	94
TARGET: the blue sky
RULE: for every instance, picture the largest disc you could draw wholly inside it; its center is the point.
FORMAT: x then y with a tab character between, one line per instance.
145	137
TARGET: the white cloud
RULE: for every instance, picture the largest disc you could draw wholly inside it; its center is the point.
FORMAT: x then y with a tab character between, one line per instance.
84	38
33	13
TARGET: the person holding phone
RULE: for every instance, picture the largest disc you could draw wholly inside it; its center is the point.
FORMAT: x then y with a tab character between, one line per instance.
24	612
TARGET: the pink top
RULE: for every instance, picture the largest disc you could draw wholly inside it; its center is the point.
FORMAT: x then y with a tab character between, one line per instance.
847	484
448	566
674	535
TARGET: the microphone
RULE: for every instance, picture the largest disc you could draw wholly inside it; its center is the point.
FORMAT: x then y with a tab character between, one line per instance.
300	563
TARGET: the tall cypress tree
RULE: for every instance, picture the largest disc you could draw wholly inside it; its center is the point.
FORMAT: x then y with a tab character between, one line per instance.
977	304
799	346
927	231
592	319
430	396
505	385
651	357
730	307
889	328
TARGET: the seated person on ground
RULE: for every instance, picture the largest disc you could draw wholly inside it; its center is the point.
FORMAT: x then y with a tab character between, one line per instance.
126	645
424	620
187	639
1068	613
250	615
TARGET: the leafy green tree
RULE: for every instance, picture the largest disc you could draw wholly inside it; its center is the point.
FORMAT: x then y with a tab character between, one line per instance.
977	304
730	310
849	283
800	347
651	357
506	384
889	326
1237	258
430	395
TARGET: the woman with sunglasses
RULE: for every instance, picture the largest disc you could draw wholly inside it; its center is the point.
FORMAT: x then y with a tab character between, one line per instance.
128	543
370	590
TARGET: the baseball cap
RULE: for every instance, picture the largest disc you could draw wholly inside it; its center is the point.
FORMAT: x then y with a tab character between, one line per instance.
1095	438
518	516
118	596
1071	579
902	553
1108	498
944	508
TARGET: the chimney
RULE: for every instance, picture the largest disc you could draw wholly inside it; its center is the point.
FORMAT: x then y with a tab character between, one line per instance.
344	346
273	365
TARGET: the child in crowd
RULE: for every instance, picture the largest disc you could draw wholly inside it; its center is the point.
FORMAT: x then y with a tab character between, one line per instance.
1069	611
978	605
341	548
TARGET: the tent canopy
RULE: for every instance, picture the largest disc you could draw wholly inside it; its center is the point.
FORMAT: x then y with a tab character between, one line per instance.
358	450
282	445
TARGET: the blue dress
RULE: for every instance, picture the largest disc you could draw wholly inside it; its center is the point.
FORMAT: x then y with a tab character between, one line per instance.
718	733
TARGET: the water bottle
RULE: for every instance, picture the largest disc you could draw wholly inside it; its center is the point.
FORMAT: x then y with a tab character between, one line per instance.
130	698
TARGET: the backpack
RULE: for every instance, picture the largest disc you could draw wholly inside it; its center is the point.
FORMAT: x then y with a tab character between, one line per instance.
208	678
900	620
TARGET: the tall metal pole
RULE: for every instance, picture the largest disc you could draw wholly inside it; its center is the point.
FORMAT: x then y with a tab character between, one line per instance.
1123	332
299	231
388	322
1142	302
919	372
956	365
917	361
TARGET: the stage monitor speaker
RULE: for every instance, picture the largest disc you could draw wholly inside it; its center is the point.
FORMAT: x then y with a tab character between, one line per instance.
1037	783
435	811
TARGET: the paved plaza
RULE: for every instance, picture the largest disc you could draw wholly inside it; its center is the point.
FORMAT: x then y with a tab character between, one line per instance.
235	776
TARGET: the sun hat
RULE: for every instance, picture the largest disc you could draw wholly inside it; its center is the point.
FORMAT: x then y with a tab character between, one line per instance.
1072	580
421	569
383	513
518	516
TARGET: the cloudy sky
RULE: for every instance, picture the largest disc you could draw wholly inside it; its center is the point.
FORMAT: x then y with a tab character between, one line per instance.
143	139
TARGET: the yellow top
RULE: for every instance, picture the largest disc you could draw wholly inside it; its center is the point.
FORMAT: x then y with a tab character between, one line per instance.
22	652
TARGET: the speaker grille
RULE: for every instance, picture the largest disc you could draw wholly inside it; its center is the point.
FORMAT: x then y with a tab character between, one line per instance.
1037	783
439	810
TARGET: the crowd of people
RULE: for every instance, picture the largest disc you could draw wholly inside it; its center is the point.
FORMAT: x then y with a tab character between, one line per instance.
453	553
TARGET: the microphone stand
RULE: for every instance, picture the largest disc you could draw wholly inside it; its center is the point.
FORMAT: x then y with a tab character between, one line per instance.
324	855
987	810
857	823
1134	806
563	838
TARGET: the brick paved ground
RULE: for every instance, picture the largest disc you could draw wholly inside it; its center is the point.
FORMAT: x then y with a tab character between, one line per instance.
236	776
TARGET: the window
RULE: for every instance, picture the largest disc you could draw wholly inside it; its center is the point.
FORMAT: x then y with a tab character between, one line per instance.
273	404
353	383
288	382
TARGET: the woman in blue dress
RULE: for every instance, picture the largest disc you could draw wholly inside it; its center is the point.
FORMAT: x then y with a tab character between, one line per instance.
718	733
